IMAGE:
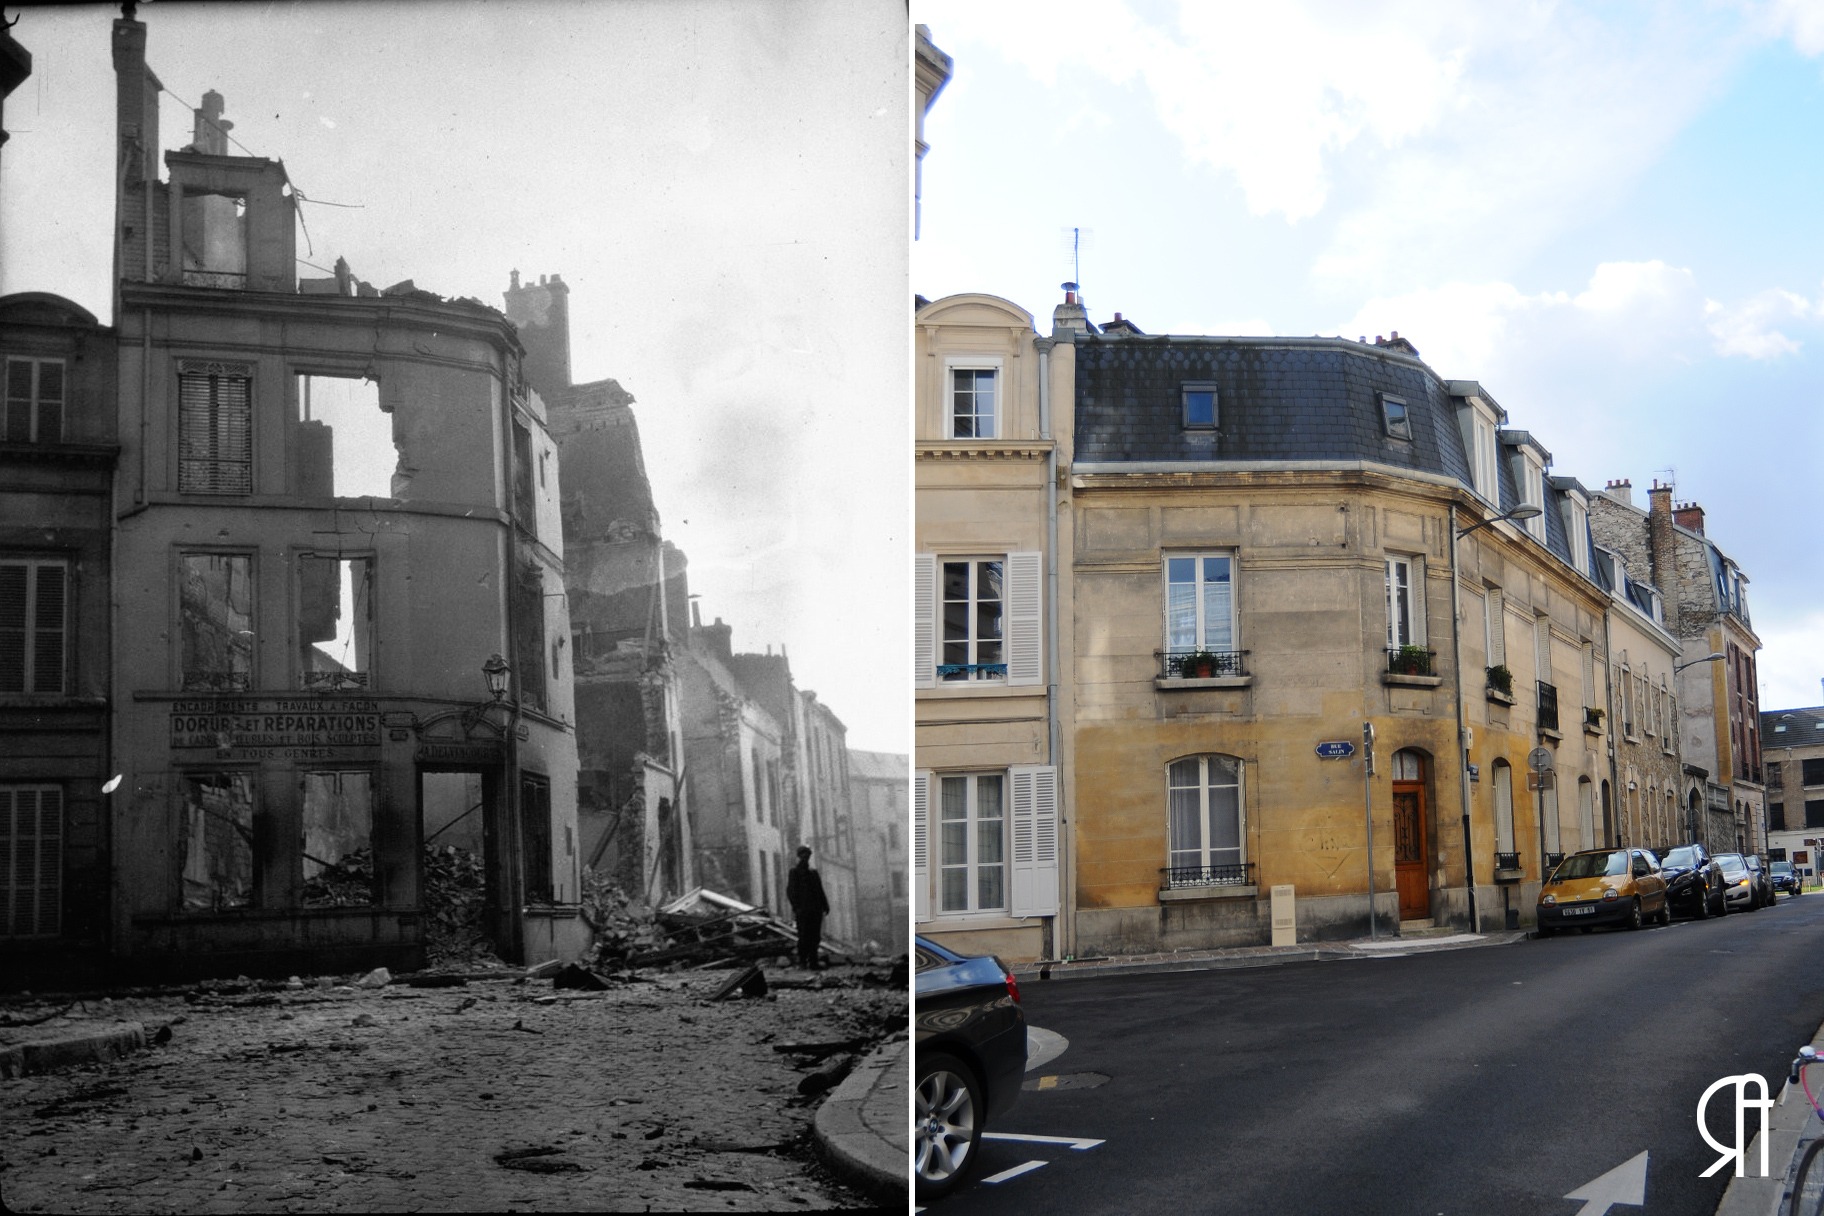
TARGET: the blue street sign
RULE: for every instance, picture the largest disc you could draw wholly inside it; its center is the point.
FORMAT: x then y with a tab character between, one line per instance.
1340	749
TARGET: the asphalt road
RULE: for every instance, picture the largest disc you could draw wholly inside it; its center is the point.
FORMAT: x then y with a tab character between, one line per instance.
1479	1081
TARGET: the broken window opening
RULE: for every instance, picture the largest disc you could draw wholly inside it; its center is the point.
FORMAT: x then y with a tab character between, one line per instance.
215	240
535	824
335	621
344	440
457	892
218	842
215	608
338	841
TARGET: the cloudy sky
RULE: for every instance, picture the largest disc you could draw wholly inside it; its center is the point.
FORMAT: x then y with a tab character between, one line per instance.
1609	214
722	184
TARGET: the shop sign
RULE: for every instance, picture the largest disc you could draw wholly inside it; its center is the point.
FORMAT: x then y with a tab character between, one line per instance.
275	728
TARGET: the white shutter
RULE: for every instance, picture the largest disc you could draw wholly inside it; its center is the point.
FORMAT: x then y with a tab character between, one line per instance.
1497	628
924	621
921	834
1034	889
1025	618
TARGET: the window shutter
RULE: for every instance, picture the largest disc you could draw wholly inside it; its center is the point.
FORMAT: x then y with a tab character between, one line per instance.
31	861
924	621
13	576
215	428
1025	605
921	833
48	628
1497	628
1034	889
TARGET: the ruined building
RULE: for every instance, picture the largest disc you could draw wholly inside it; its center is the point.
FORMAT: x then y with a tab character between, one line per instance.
337	627
627	596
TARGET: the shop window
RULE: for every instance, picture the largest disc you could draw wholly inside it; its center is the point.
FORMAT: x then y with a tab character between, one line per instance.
215	611
218	821
338	839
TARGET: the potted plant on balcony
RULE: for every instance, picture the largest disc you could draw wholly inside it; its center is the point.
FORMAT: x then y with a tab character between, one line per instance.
1501	680
1592	717
1199	664
1410	660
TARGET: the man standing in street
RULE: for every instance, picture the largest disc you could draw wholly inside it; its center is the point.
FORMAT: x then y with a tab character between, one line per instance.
804	891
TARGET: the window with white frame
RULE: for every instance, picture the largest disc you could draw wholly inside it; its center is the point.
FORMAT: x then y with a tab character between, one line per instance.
1481	440
31	860
215	427
1200	607
34	401
1548	820
972	842
973	410
1586	813
34	628
1494	626
1501	782
1199	402
977	619
996	843
1405	602
1396	418
1533	492
1577	530
1204	809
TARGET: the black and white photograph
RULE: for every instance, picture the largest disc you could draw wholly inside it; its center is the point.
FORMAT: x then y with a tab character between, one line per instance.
454	528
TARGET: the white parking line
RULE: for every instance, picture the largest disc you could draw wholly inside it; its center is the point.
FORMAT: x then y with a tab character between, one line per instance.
1076	1142
1015	1172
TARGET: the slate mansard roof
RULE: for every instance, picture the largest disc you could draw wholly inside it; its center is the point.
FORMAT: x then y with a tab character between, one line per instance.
1285	401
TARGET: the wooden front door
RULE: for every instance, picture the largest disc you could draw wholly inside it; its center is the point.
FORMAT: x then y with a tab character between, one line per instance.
1411	850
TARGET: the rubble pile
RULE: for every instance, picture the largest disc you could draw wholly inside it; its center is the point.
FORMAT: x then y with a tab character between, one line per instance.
622	928
348	883
455	891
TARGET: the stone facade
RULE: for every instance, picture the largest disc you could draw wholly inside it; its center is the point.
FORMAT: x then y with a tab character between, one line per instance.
1793	746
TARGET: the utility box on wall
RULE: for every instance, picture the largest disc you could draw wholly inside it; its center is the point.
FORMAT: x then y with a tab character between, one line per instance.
1285	919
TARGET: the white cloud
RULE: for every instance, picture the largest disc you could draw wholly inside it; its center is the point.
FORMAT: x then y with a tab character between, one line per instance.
1748	328
1791	661
1801	21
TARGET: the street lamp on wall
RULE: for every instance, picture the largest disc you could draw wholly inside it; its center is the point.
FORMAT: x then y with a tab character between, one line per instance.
1525	510
496	671
1709	658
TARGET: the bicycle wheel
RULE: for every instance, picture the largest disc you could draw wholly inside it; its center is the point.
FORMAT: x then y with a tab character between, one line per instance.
1808	1182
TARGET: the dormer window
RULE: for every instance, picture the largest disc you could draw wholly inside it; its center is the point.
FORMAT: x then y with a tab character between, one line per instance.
1395	417
973	410
34	401
1199	406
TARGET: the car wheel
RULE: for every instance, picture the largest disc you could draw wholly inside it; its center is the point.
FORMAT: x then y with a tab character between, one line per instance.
948	1116
1703	906
1634	917
1665	913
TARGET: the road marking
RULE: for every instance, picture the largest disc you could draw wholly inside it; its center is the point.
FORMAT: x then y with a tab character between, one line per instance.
1625	1184
1076	1142
1015	1172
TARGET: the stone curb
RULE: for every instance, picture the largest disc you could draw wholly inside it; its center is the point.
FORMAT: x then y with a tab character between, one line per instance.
1258	956
95	1046
847	1125
1791	1125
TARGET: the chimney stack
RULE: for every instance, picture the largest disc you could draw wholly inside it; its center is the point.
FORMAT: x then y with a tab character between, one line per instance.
1689	515
1070	316
1622	491
1662	546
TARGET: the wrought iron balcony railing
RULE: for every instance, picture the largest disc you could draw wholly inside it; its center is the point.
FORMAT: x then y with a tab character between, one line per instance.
1548	706
1410	661
1200	664
1177	877
971	671
1507	861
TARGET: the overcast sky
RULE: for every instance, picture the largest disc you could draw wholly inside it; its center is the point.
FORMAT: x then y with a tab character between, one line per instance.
1609	214
722	183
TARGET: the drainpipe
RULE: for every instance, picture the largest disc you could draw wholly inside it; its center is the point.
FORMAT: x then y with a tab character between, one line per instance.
1064	935
512	861
1612	837
1462	756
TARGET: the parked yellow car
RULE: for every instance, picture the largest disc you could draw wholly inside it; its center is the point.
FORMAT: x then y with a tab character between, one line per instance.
1603	887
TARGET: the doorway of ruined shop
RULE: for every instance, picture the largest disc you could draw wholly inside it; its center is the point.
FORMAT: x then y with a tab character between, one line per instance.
461	881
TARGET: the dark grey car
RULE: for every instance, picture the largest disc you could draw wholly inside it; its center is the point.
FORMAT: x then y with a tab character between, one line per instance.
1694	882
971	1058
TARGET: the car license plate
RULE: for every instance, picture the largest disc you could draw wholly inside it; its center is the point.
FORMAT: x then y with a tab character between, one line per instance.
1579	911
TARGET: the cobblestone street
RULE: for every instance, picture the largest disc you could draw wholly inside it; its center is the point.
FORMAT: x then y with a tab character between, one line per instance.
492	1096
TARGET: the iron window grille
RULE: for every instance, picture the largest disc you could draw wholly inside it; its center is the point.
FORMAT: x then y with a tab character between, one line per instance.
1179	877
1199	664
1548	706
1507	861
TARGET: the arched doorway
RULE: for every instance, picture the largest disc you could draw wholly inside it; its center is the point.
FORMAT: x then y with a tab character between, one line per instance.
1412	844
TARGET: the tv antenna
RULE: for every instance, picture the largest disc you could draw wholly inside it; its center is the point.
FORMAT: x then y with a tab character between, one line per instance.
1075	240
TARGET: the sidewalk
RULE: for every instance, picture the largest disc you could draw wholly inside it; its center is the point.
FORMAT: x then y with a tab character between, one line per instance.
863	1128
1260	956
1791	1125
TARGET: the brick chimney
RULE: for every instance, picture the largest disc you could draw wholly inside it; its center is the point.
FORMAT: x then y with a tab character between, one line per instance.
1070	316
1662	546
1622	491
1689	515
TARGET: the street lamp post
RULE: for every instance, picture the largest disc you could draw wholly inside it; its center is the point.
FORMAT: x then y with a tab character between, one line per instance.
1525	510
